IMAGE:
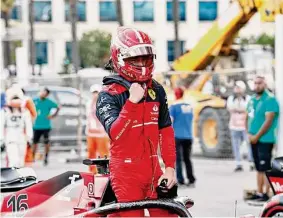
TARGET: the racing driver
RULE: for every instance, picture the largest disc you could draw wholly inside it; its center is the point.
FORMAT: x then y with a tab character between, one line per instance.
133	109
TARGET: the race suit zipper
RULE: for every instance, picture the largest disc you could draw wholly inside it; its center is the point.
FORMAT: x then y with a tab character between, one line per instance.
143	130
152	164
153	169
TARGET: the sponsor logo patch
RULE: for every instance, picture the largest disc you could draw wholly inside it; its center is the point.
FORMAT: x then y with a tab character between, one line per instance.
152	94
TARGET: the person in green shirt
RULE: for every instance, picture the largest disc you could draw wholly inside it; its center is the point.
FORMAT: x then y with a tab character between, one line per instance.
42	125
263	112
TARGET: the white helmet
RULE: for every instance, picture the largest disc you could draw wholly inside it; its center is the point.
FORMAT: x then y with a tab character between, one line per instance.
14	91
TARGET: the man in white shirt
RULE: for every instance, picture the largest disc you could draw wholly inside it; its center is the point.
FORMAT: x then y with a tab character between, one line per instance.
236	104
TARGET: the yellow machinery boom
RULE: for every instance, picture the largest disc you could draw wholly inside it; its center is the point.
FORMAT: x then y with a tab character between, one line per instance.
221	34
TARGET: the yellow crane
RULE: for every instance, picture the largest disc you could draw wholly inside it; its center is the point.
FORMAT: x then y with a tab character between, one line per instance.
210	116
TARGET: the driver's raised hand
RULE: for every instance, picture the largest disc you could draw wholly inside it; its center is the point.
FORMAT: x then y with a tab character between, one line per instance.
136	93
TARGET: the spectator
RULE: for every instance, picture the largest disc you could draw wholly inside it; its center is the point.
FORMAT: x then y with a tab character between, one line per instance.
237	104
97	138
182	118
16	129
42	124
263	112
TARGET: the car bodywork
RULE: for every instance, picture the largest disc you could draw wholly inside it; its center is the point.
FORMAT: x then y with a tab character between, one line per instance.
78	194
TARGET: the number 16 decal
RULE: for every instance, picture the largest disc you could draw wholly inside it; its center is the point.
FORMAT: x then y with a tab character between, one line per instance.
17	204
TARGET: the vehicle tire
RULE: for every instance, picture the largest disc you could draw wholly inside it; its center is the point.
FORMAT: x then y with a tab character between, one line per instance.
214	133
273	208
276	212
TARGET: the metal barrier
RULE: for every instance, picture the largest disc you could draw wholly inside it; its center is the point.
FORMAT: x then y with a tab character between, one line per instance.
72	93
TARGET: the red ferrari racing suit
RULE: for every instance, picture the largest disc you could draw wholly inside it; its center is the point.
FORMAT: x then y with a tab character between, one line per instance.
135	131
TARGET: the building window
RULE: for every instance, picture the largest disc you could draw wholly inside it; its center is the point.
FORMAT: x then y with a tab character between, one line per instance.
42	11
16	13
81	10
182	11
143	11
41	52
208	10
107	11
171	50
68	48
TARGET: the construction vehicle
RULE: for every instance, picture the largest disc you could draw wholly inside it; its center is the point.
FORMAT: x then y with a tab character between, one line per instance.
211	119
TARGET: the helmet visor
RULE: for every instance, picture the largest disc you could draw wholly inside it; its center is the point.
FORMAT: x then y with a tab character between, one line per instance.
140	61
139	50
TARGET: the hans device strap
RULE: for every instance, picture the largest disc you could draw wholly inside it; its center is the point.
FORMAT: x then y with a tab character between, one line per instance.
116	79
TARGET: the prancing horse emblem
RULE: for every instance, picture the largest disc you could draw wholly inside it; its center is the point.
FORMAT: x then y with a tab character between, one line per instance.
152	94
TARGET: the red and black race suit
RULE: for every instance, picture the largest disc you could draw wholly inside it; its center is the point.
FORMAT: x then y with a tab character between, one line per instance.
135	131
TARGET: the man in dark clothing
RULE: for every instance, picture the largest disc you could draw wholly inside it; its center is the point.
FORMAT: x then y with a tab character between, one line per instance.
182	117
42	125
262	120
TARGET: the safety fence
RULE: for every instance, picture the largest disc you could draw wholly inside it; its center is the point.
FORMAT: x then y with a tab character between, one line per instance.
212	136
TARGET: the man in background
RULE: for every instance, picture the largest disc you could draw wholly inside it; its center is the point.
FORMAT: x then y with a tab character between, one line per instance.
97	138
182	118
42	125
236	105
263	112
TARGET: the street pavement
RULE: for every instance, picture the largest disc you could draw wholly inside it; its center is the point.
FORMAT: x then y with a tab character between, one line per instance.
218	191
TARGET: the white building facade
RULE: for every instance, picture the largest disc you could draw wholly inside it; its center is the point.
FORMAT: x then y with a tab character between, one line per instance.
53	31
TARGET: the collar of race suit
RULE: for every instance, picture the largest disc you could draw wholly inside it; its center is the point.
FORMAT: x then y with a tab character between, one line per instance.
120	80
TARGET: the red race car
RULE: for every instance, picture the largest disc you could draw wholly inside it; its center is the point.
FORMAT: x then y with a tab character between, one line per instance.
273	207
73	194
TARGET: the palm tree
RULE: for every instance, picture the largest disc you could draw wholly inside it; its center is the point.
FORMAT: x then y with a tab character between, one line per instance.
119	12
75	49
6	7
177	45
31	37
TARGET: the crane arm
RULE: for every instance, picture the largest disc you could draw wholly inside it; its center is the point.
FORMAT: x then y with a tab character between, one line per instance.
221	34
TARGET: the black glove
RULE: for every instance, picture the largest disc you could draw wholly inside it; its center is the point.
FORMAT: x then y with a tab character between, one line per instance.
164	192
